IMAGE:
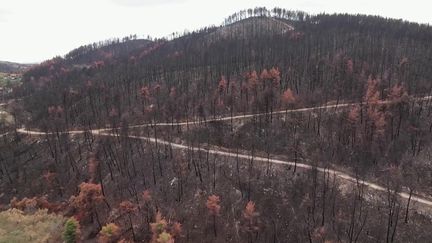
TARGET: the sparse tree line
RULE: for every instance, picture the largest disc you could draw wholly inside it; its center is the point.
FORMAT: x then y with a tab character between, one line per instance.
264	12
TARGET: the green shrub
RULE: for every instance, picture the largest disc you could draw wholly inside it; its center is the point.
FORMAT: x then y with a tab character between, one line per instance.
71	231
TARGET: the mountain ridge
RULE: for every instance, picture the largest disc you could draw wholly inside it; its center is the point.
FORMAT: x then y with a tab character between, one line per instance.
308	50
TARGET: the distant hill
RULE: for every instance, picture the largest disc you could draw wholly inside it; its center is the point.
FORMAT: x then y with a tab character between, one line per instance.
11	67
105	51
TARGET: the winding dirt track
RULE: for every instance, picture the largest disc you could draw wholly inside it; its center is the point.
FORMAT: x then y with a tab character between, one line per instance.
106	132
248	116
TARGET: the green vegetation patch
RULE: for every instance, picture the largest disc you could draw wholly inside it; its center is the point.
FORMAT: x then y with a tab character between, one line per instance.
7	79
17	226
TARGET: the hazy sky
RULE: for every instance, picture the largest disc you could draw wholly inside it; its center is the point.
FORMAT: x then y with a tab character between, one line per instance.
36	30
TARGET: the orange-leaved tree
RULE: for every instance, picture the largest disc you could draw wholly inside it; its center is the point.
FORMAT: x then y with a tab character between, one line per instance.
251	216
89	197
214	208
375	109
288	99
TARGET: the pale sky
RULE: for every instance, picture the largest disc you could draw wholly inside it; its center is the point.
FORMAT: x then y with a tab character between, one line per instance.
37	30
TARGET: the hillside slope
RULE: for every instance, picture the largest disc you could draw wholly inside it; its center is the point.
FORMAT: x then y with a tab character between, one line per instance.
277	126
325	57
104	51
11	67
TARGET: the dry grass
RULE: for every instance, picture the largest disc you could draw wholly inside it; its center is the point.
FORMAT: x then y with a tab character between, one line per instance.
17	226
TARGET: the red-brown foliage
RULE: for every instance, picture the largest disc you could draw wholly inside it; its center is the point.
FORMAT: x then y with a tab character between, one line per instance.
222	85
275	75
265	75
49	177
213	205
31	204
253	80
147	196
288	97
127	207
249	212
145	92
398	94
372	95
89	196
354	114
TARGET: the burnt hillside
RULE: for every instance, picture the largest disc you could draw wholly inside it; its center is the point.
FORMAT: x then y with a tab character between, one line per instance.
321	58
277	126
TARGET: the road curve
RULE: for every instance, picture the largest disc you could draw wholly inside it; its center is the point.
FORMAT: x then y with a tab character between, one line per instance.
339	174
247	116
342	175
336	173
